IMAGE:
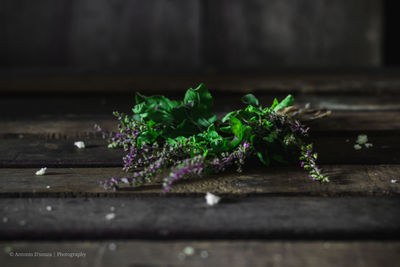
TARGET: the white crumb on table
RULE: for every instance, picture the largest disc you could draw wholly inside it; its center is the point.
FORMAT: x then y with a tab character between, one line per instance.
110	216
393	181
357	147
42	171
49	208
79	144
189	251
362	139
212	199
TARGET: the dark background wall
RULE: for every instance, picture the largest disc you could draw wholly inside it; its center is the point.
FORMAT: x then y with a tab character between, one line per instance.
193	35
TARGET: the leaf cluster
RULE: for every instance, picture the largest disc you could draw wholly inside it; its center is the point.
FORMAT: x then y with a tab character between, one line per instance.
187	136
191	122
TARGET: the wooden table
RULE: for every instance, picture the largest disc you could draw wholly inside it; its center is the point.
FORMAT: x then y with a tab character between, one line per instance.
267	217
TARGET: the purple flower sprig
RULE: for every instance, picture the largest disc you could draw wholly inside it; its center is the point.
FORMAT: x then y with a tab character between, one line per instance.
299	128
308	162
238	157
152	159
193	165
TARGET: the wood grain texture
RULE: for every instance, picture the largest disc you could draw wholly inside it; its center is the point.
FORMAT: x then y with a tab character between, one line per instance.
156	35
100	106
153	35
372	83
209	253
345	123
256	34
168	35
41	152
346	180
38	152
34	34
189	217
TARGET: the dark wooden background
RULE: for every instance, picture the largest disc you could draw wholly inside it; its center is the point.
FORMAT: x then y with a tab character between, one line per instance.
189	36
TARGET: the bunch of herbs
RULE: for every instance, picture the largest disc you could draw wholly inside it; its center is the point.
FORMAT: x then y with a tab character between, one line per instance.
186	137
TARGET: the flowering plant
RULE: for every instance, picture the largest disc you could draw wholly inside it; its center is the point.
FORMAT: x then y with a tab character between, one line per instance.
186	137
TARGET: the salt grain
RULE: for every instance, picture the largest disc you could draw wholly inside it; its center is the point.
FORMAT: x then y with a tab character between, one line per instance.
212	199
42	171
362	139
110	216
393	181
368	145
189	251
79	144
357	147
49	208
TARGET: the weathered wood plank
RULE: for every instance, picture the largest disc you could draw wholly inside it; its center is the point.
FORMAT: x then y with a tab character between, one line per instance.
153	35
74	125
37	152
101	106
358	121
371	83
346	180
210	253
34	34
255	34
189	217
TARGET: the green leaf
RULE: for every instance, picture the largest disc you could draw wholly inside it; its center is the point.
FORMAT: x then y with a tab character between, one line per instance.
271	137
226	129
250	99
147	137
191	96
265	160
237	127
139	108
252	109
140	98
228	116
275	103
201	99
207	122
288	101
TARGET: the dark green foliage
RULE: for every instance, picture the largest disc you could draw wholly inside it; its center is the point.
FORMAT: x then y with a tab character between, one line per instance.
187	130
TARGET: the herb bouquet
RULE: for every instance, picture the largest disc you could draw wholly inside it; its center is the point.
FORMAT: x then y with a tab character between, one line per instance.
187	138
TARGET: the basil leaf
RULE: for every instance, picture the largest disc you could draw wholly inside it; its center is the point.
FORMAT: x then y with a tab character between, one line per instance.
250	99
